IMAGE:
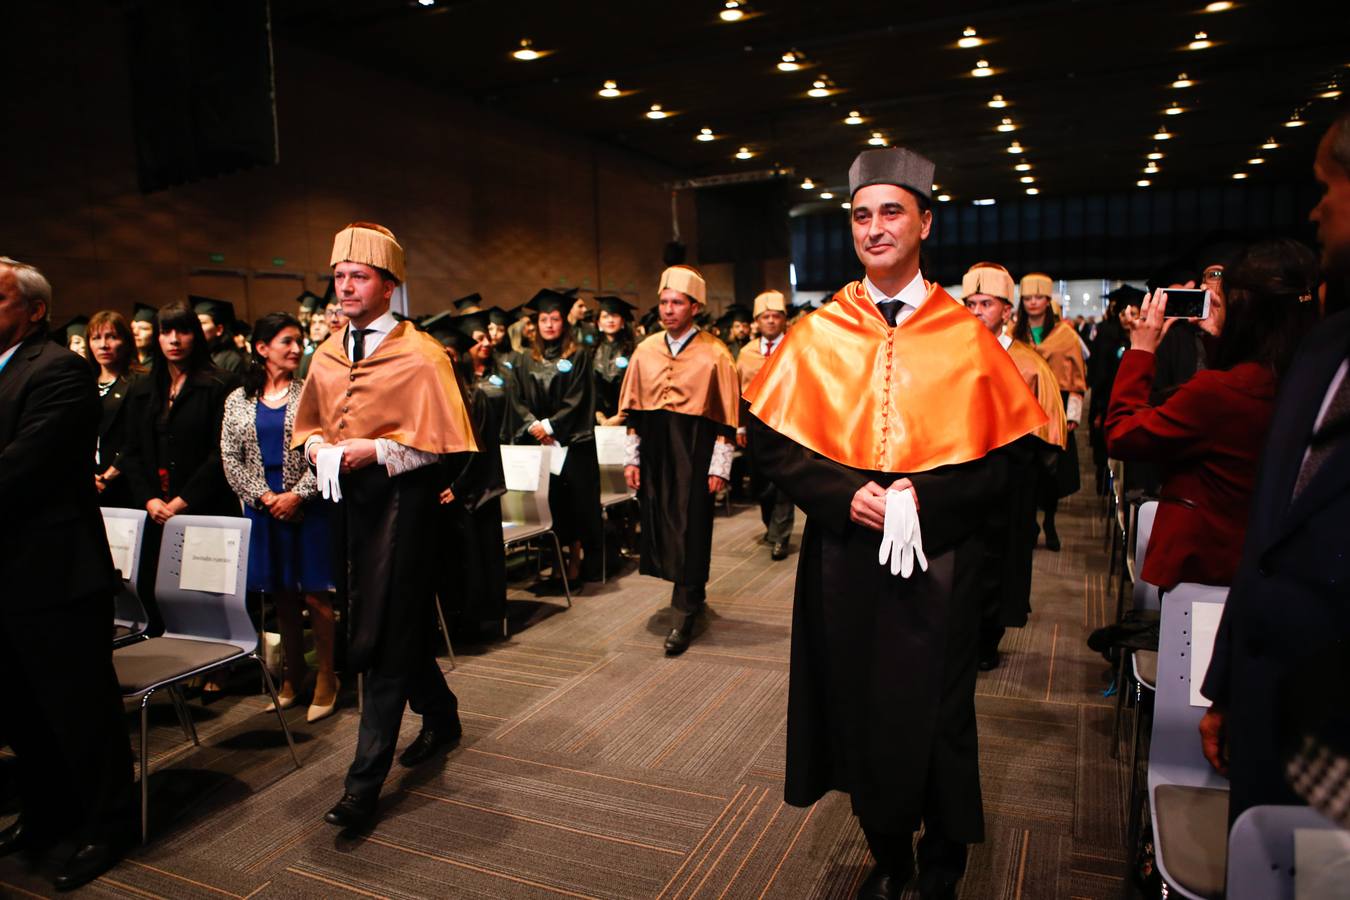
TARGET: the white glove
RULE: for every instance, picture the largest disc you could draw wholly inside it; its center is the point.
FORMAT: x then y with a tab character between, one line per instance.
1073	410
632	456
327	466
901	539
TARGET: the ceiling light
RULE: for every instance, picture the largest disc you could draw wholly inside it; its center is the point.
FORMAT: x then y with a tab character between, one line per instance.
846	205
426	2
969	39
1015	147
877	139
1295	121
1156	154
1174	110
1201	42
826	195
1183	81
1238	176
656	112
790	62
1255	161
1022	167
1032	192
744	153
1331	93
1162	134
808	185
1027	179
1151	169
936	185
943	198
853	118
1270	144
526	51
986	201
1218	6
705	134
982	69
997	102
820	88
1142	182
732	12
1006	125
610	89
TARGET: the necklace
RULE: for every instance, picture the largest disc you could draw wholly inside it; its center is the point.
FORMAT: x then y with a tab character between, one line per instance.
273	397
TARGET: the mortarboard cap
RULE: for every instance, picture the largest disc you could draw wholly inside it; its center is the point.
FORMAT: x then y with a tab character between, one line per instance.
736	312
770	301
222	311
469	304
498	316
989	278
687	280
440	325
309	300
549	300
143	312
472	323
616	306
892	165
74	328
651	319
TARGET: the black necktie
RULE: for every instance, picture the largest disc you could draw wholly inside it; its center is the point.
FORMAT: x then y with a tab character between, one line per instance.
1326	439
890	309
359	343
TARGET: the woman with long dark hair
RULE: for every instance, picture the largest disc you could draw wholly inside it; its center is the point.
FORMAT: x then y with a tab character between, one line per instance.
289	548
611	357
1206	438
112	356
553	396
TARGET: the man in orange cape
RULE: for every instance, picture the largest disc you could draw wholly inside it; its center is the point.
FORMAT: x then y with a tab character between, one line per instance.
987	291
775	507
894	388
380	408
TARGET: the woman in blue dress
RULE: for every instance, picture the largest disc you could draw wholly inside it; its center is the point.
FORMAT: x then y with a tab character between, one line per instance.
290	557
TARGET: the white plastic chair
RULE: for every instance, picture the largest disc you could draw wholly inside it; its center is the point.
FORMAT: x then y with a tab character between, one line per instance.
130	619
1261	851
525	513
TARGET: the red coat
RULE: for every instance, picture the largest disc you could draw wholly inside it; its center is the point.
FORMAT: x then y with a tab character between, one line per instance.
1206	441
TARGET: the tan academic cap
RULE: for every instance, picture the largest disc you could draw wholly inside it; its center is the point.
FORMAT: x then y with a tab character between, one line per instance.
1037	284
988	278
892	165
770	301
686	280
371	245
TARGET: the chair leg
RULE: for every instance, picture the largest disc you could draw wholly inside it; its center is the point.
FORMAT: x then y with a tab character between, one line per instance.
562	569
506	632
604	545
184	717
1120	705
445	633
276	706
145	766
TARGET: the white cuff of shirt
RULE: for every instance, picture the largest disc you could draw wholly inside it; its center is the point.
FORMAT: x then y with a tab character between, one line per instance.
548	426
310	443
397	458
631	456
721	460
1073	410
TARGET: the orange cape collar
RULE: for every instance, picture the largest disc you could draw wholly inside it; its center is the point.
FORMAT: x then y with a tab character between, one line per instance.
936	391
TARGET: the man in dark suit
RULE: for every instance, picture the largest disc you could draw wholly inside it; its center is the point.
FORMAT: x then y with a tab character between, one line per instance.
1289	600
60	705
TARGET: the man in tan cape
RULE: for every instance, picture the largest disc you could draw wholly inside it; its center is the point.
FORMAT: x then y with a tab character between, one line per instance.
681	396
380	407
775	507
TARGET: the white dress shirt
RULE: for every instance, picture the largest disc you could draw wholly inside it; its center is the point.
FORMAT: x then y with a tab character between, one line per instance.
675	345
767	346
375	333
911	295
4	357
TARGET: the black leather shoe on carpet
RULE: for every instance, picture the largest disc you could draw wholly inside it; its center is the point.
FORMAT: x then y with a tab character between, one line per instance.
990	662
1051	539
85	864
780	551
680	636
882	884
351	812
429	741
938	884
15	838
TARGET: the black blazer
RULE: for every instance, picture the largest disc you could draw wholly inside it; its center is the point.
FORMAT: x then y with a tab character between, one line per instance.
1290	599
52	545
112	424
192	439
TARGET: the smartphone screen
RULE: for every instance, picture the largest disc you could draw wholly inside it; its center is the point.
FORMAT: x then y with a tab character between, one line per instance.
1187	303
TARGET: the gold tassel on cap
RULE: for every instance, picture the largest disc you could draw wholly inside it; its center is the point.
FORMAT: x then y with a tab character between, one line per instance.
371	245
686	280
988	278
770	301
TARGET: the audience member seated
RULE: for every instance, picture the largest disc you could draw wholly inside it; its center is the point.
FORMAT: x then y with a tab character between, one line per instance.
112	353
1206	438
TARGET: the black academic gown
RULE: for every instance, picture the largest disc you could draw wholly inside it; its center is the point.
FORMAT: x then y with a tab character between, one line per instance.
881	694
112	427
227	357
1012	538
611	364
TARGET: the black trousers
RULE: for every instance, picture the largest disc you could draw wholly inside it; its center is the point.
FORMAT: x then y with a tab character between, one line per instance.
62	714
777	512
689	598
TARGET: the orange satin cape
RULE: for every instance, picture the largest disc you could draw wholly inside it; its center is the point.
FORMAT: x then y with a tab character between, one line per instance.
936	391
405	391
700	381
1063	351
1040	378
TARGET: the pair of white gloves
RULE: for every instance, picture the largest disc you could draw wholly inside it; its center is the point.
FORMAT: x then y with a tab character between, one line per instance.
901	539
327	467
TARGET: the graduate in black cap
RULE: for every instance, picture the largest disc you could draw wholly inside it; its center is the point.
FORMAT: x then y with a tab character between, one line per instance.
466	305
307	305
143	331
611	357
735	324
498	322
579	321
216	317
72	336
553	394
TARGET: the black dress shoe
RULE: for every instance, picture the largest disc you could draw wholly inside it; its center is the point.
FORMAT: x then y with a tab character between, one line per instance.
938	884
85	864
989	662
780	550
882	884
15	838
1051	541
351	812
678	640
429	741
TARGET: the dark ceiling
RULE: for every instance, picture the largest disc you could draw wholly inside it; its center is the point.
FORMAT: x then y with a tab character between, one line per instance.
1086	82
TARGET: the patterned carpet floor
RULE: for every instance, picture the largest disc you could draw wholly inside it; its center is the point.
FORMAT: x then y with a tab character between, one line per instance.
594	767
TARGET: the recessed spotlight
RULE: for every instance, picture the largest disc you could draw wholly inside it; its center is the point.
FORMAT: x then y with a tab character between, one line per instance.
1218	6
985	201
1151	169
853	118
1005	125
1022	167
791	61
1142	182
846	205
705	134
732	11
877	139
1027	179
820	88
744	153
656	112
426	2
808	185
1255	161
826	195
1295	121
1331	93
1032	192
610	89
1238	176
1015	147
1162	134
997	102
981	69
1156	154
969	39
1183	81
1174	110
936	185
1270	144
526	52
1200	42
944	198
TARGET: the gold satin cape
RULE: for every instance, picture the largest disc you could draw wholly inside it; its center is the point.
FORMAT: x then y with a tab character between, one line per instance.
1063	351
750	361
405	391
700	381
936	391
1040	378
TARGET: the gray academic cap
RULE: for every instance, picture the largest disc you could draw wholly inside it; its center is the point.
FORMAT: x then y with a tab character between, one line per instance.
892	165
